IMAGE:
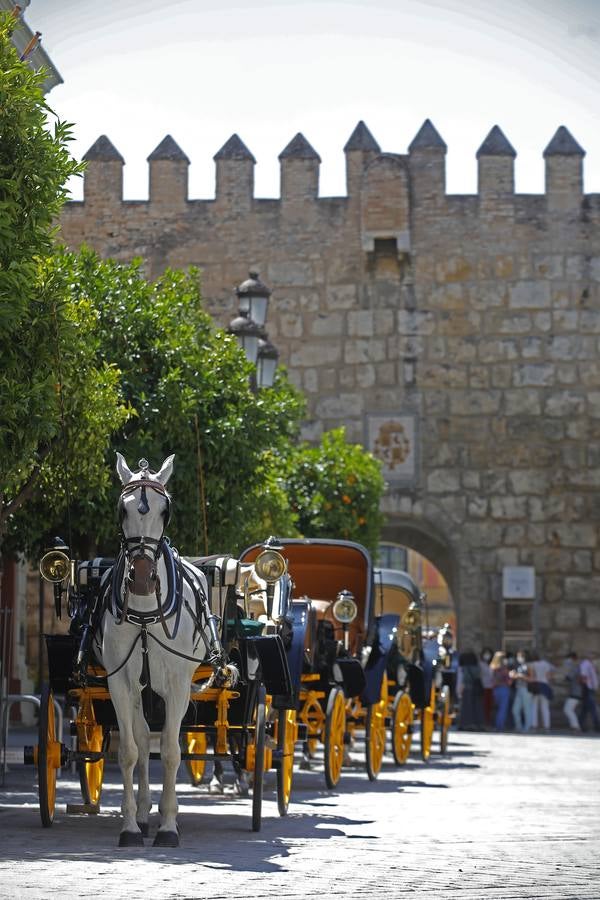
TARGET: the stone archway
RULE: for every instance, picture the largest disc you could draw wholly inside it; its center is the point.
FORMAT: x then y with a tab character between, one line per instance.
430	542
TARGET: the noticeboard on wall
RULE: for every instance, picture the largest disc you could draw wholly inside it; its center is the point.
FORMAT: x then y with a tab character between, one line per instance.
518	583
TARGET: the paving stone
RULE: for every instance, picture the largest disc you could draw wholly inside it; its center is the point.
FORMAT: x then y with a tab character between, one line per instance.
502	816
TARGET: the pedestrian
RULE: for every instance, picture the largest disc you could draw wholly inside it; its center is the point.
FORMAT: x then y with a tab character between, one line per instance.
588	675
575	691
470	692
485	674
501	687
523	700
541	674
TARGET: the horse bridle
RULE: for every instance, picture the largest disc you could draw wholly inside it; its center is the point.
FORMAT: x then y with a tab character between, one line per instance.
139	546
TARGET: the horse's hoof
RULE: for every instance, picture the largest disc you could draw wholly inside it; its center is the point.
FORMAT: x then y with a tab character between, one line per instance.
131	839
144	828
216	787
166	839
305	765
241	787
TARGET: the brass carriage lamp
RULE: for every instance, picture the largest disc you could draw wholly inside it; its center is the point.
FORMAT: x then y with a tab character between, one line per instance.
58	568
345	611
270	565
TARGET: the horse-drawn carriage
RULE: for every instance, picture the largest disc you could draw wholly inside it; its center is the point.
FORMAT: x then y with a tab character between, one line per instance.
338	650
418	678
160	643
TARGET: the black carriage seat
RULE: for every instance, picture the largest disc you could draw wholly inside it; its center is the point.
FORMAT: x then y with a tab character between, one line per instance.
89	578
222	574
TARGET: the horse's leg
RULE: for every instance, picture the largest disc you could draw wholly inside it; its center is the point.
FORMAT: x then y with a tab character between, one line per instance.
216	785
128	706
141	733
175	706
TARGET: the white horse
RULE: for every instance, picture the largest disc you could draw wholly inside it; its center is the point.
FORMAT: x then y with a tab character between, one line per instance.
156	628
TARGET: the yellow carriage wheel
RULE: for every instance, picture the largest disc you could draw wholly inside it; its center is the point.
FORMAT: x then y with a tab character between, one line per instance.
48	757
287	731
312	716
90	738
427	724
402	721
195	742
445	719
375	733
335	729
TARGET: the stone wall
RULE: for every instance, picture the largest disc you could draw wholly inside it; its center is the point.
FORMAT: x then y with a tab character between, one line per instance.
457	336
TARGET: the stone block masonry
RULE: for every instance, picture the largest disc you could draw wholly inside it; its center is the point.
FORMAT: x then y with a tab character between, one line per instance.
465	328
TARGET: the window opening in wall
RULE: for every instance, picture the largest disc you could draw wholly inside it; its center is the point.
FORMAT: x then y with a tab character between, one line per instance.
518	625
386	247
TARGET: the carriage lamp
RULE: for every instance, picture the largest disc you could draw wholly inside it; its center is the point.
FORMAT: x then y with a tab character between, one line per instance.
270	566
253	297
266	363
345	611
412	617
57	567
248	334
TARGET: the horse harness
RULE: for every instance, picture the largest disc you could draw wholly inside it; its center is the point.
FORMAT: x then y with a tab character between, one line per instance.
114	598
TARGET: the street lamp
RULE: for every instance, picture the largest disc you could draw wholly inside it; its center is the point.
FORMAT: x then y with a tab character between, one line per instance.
248	334
249	329
253	297
268	355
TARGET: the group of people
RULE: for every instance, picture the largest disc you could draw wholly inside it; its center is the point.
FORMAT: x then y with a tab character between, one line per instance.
502	690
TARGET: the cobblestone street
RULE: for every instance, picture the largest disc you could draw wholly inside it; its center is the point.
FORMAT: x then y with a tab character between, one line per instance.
501	816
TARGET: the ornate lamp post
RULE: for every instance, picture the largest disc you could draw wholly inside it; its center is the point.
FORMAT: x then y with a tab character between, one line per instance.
249	328
253	297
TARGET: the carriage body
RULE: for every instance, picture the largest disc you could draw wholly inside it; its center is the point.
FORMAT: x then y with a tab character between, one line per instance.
221	722
418	691
337	664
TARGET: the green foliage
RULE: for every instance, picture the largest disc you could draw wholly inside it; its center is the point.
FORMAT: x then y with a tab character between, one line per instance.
42	334
335	490
187	383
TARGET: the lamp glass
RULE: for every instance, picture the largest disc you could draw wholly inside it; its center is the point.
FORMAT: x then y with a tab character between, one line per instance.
258	305
265	371
249	344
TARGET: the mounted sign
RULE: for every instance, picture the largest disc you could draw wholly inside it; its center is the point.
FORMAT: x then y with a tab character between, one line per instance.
518	582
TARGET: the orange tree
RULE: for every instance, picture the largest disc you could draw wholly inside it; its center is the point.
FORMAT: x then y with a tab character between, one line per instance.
335	490
43	344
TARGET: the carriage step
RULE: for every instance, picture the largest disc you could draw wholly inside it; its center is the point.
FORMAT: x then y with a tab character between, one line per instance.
205	757
78	809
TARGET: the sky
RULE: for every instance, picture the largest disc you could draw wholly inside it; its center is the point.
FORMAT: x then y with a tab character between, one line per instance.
201	70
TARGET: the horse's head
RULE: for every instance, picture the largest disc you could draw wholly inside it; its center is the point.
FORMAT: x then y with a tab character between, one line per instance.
144	511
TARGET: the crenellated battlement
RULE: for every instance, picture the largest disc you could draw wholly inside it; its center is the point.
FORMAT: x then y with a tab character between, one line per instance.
422	169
